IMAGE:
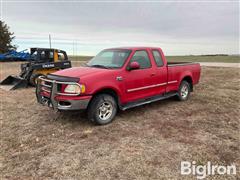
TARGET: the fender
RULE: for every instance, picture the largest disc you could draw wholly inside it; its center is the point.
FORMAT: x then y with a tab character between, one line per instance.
185	74
107	86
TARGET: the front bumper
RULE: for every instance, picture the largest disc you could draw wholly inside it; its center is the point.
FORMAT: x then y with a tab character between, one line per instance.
50	96
73	104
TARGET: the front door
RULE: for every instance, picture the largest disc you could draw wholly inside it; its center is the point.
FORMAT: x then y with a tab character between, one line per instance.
139	83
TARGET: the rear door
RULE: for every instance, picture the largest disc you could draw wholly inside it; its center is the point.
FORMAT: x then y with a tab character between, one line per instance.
140	83
161	72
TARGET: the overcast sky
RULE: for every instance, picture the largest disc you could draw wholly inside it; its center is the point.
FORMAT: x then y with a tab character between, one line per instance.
179	28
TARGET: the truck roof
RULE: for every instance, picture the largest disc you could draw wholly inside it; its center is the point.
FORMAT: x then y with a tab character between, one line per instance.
134	48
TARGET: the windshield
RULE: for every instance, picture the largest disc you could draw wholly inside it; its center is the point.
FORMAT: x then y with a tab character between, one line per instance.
110	58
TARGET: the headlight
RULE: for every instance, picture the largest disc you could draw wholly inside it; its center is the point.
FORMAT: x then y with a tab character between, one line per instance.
74	89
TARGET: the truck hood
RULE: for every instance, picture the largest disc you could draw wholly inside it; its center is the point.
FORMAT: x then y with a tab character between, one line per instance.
79	71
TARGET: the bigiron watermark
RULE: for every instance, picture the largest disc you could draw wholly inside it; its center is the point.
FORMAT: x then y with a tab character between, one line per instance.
202	171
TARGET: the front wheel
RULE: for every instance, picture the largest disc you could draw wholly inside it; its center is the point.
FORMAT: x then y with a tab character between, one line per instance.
102	109
184	91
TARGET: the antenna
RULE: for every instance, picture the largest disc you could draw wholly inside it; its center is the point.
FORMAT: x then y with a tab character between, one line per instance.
50	41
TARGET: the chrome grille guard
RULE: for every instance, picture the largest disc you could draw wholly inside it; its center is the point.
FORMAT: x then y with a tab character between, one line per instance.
51	87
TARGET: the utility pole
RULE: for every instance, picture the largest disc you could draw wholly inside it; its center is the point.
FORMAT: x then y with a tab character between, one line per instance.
73	47
50	41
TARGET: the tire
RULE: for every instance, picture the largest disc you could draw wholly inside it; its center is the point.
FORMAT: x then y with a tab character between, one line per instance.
33	79
102	109
184	91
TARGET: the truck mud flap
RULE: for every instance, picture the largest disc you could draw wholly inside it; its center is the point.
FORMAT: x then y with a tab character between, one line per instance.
13	82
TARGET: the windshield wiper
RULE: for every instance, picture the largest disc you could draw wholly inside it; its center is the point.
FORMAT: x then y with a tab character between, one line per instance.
100	66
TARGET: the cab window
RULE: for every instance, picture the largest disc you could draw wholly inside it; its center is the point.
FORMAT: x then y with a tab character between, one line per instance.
142	58
61	56
158	58
42	55
46	55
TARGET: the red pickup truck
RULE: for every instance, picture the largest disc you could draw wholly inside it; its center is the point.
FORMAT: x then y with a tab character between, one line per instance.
117	78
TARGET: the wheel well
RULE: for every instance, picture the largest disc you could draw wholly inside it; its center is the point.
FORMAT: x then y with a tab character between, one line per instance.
110	92
189	80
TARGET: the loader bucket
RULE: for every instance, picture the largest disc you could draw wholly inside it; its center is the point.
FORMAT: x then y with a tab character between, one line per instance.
13	82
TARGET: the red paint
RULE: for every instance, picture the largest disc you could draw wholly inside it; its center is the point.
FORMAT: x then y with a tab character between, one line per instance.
135	84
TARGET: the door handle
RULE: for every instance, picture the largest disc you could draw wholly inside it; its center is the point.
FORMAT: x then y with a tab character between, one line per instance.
153	74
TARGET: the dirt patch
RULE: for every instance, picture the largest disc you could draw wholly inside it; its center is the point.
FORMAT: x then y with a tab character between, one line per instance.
147	142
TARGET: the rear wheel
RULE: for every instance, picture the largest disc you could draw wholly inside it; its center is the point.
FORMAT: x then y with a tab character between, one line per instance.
184	91
102	109
33	79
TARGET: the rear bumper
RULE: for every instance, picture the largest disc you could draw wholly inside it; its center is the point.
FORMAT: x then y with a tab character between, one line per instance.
52	99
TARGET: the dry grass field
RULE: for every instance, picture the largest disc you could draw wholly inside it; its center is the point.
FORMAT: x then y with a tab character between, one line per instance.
146	142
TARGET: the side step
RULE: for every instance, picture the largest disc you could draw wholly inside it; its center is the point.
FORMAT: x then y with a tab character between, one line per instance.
147	100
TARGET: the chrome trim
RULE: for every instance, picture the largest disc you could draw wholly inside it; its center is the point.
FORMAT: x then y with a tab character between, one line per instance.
67	94
43	79
74	105
151	86
45	90
64	106
146	87
119	78
171	82
46	85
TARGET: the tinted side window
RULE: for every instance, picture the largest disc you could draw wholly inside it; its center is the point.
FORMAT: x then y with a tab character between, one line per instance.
142	58
158	58
46	55
42	55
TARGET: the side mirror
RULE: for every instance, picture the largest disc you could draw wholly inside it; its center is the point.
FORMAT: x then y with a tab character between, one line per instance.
134	65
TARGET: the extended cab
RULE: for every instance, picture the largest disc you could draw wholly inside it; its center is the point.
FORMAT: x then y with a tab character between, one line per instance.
118	78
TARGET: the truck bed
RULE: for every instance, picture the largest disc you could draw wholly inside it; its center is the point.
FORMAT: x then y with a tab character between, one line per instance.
177	70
